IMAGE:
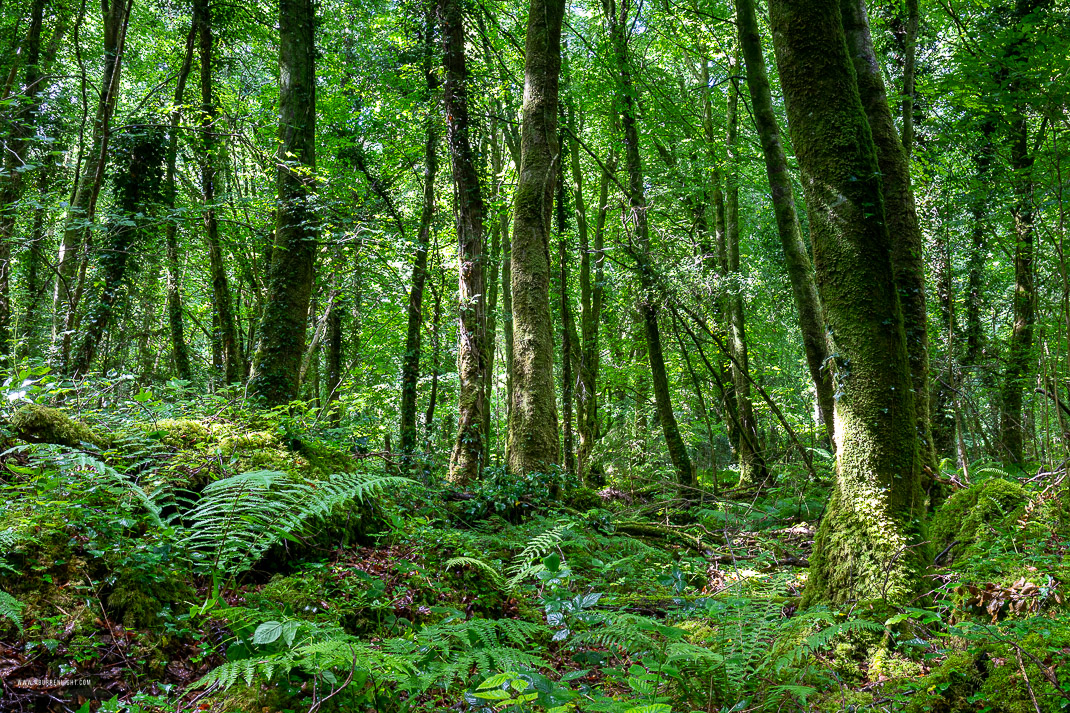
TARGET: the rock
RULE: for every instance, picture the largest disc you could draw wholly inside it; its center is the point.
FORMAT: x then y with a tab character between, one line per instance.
41	424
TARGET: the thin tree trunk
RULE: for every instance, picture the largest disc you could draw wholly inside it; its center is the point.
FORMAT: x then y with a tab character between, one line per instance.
283	326
497	227
466	458
909	67
533	427
410	370
20	130
179	348
752	468
70	270
649	307
209	158
796	256
869	544
568	329
1020	344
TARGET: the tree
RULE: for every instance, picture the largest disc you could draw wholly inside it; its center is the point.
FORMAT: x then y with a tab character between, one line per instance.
869	544
533	438
282	328
466	458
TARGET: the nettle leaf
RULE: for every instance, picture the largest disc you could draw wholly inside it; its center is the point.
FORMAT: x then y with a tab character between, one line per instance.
268	632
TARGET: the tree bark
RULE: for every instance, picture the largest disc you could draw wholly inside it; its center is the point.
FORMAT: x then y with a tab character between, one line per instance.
900	212
752	468
533	436
83	204
649	307
209	158
1020	344
870	541
568	328
796	256
466	458
179	348
410	370
285	320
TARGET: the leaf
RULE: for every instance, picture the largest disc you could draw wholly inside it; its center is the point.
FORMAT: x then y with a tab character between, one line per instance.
268	632
552	562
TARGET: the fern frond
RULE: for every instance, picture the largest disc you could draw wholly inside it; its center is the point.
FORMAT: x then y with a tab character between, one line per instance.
528	562
239	518
495	576
11	608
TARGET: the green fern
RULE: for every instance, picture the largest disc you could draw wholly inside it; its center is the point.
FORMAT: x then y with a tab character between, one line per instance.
11	608
529	561
495	576
240	518
822	637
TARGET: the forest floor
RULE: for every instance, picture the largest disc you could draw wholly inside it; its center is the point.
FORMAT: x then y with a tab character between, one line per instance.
182	554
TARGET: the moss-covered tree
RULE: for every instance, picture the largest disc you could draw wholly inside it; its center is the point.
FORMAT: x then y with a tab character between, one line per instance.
870	541
466	458
533	436
277	363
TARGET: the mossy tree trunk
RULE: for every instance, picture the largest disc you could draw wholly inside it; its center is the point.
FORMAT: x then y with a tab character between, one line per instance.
466	458
649	307
796	256
592	297
569	362
533	436
1016	376
1012	78
410	369
21	127
870	541
140	159
752	467
902	217
283	325
209	160
70	263
175	320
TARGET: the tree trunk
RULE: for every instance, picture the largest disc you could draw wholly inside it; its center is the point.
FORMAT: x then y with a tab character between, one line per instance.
228	336
1020	345
282	328
533	437
179	348
410	370
796	257
870	541
909	68
21	128
466	458
83	204
568	329
499	224
137	186
901	214
752	468
649	307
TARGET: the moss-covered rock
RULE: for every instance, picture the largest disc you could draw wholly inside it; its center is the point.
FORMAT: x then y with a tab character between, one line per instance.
42	424
139	598
995	502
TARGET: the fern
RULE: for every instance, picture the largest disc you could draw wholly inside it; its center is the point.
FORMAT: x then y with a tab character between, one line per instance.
11	608
495	576
822	637
319	649
75	462
240	518
528	562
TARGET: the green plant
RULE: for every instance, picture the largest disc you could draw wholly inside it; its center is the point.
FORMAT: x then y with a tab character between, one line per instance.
11	608
238	519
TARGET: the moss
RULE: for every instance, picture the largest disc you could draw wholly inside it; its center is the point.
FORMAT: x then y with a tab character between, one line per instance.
139	597
301	596
42	424
966	514
181	433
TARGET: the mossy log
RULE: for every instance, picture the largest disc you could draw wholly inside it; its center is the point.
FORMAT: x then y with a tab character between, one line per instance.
41	424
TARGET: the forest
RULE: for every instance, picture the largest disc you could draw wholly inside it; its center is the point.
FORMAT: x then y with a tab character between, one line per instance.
506	356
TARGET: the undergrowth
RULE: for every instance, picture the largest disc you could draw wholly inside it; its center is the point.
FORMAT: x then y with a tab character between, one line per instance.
174	576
